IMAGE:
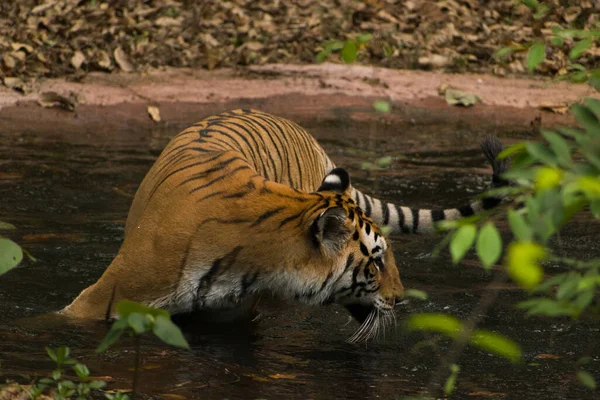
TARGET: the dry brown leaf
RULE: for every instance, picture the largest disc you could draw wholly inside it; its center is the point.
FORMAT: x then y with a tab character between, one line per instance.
21	46
123	60
9	62
104	60
154	113
53	99
282	376
558	108
544	356
77	60
14	83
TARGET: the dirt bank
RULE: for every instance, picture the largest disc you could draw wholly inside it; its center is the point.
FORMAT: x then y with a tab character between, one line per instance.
110	102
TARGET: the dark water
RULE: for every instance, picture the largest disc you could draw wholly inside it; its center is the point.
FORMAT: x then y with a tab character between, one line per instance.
70	202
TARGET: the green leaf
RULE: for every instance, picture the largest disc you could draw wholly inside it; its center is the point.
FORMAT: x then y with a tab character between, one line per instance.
585	117
56	374
504	52
557	41
511	150
138	323
532	4
451	381
519	227
322	55
169	333
10	255
126	307
586	379
5	226
535	56
578	77
417	294
96	385
350	51
382	106
547	307
489	245
51	353
81	370
595	208
522	263
461	242
541	11
433	322
547	178
594	82
593	105
541	153
559	145
364	38
383	162
497	344
580	48
62	354
115	332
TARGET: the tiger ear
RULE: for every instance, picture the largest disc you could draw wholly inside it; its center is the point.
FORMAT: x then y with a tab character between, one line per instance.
329	229
337	181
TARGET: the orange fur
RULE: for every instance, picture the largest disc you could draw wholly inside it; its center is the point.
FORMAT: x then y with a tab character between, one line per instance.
222	218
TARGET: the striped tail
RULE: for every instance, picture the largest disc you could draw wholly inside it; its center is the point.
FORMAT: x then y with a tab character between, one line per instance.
414	220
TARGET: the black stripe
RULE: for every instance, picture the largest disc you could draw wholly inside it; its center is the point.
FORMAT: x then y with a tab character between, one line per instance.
490	202
386	213
368	206
403	228
466	210
368	228
437	215
415	215
266	216
363	249
220	178
290	218
207	280
247	281
329	276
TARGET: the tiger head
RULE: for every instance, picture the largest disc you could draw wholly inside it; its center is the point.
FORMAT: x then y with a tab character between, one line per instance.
365	278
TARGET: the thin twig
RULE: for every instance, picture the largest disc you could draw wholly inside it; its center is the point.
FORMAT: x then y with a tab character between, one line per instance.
136	367
489	297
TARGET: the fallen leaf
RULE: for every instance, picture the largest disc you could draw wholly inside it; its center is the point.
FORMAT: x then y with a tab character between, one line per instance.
21	46
123	60
154	113
558	108
257	378
14	83
455	97
172	396
104	60
53	99
77	60
282	376
544	356
9	61
42	237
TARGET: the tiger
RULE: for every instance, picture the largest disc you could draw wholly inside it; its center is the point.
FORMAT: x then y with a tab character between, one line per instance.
245	203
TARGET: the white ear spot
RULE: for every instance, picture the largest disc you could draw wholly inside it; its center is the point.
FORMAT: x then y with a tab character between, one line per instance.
333	180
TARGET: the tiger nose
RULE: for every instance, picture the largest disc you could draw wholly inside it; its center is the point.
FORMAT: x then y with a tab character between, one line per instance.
399	295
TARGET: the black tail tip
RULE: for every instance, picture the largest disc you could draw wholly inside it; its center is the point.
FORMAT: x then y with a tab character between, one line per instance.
338	180
491	147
